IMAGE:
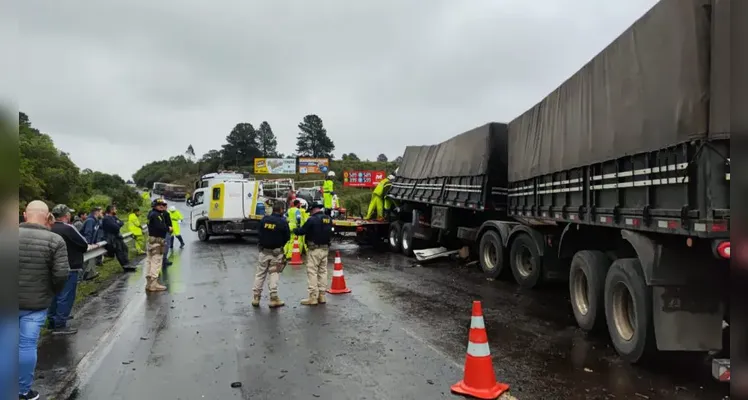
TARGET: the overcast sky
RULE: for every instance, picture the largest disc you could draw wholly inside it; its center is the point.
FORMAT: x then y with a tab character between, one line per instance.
119	84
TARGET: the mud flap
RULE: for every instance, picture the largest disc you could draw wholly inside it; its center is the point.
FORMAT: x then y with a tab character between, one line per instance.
433	253
687	291
687	318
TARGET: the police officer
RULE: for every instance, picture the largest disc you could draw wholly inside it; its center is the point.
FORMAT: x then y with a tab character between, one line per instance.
157	231
318	232
274	233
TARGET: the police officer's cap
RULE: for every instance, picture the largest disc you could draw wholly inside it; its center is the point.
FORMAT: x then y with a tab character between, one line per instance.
158	202
317	205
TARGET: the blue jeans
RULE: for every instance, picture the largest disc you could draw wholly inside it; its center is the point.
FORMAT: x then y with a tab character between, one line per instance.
30	326
62	305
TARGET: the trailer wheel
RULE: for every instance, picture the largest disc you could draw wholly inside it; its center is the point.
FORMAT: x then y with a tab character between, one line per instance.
394	238
491	254
628	310
406	239
202	232
587	288
525	261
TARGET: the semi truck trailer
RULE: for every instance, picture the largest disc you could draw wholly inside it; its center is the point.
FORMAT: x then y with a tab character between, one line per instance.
617	182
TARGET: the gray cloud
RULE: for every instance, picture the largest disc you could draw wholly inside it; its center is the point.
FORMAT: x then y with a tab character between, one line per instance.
118	84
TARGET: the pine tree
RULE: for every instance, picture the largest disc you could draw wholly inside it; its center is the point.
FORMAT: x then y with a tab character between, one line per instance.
241	146
313	140
266	141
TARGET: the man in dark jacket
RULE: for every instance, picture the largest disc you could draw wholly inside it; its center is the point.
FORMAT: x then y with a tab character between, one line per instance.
92	225
115	243
91	230
62	305
157	231
42	273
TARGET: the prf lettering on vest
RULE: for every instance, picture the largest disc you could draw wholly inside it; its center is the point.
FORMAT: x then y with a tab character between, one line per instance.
269	226
325	220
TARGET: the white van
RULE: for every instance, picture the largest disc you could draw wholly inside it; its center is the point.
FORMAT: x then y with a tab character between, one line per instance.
226	206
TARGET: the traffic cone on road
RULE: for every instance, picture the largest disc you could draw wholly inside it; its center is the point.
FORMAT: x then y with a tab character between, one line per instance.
296	253
338	280
479	380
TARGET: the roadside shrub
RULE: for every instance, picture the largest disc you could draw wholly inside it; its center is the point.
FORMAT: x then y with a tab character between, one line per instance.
97	200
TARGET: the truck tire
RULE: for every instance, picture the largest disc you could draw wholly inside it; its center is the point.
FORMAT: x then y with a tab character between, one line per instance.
628	310
587	288
491	255
394	239
202	232
525	261
406	239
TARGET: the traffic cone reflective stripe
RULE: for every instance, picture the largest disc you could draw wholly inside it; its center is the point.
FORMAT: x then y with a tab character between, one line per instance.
296	253
479	379
338	280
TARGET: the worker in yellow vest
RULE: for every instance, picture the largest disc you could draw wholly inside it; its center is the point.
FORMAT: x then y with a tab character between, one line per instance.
295	219
302	239
377	203
134	227
328	190
176	220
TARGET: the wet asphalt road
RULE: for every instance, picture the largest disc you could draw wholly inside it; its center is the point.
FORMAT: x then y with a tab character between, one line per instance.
401	334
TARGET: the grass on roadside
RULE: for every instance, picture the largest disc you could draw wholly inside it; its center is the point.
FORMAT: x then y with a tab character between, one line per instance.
107	272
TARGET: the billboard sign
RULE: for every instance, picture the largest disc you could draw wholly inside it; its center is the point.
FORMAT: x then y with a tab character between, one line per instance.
275	166
362	179
308	165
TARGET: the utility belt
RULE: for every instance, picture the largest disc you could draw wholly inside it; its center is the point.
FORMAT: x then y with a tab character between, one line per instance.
315	246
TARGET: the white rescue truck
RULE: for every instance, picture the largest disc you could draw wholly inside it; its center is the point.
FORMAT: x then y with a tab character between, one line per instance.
226	204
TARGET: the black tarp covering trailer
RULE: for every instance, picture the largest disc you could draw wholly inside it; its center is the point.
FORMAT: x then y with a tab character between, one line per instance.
626	141
466	171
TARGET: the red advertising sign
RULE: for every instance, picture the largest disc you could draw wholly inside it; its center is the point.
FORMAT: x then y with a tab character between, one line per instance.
362	179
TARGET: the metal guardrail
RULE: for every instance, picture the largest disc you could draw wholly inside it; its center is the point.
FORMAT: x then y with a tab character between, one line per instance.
99	249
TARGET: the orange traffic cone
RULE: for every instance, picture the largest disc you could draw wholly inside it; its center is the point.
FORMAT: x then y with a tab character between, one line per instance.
338	280
479	379
296	253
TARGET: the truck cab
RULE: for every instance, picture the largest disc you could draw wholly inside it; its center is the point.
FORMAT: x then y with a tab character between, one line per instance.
226	205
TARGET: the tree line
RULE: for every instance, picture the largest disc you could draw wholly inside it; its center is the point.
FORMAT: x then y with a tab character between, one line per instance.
48	174
245	143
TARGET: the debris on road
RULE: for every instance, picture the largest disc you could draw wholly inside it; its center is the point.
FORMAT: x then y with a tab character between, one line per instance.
433	253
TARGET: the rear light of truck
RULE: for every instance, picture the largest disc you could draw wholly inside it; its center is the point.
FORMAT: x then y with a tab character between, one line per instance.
723	249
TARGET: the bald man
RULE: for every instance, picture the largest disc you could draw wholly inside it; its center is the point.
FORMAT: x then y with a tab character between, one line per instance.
43	270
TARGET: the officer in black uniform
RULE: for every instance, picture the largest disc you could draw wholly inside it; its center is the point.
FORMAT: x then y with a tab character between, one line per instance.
157	232
318	233
274	233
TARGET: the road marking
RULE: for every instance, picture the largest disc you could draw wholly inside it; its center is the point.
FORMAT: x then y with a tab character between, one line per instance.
434	349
